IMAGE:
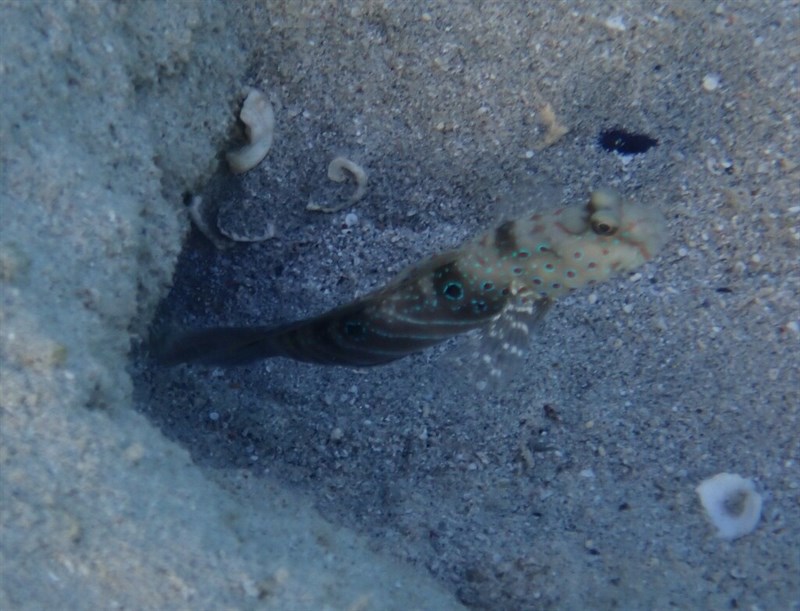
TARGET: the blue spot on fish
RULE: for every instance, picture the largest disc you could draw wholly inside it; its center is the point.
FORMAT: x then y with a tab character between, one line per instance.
454	291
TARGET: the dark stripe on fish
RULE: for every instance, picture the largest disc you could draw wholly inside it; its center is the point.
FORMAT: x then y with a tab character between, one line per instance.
505	243
387	327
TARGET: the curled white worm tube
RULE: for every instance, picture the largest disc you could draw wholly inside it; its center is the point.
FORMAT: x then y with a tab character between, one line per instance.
259	120
199	213
338	170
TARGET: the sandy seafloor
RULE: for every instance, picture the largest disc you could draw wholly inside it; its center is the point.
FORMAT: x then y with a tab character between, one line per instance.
289	486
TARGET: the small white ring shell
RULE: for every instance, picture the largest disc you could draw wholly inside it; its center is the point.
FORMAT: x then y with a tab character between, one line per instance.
731	503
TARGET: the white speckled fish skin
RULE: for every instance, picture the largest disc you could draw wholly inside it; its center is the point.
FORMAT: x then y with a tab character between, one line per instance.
532	260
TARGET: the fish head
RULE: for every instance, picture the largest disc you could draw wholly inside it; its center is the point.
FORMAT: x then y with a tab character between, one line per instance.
609	234
624	233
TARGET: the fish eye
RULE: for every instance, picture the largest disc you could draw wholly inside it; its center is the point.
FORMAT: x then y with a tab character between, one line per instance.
602	228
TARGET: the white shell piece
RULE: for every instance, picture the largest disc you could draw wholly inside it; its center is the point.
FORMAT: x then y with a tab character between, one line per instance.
731	503
267	232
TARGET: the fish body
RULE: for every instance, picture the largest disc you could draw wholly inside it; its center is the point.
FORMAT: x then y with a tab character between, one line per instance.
517	267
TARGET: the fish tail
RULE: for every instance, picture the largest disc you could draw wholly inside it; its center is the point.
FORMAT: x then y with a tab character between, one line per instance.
338	337
221	346
427	306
